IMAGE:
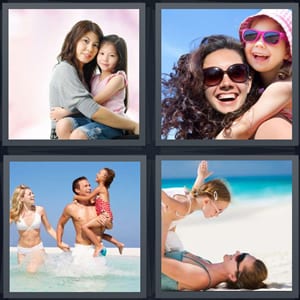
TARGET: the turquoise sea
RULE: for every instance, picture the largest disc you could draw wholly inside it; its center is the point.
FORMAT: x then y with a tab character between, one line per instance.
246	188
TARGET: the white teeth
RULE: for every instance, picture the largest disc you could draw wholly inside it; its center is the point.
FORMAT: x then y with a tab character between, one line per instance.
259	55
226	96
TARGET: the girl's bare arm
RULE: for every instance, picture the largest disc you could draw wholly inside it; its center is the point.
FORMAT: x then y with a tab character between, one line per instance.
89	197
202	174
113	86
277	96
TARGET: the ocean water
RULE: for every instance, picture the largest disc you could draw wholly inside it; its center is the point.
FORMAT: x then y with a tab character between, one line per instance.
247	188
60	274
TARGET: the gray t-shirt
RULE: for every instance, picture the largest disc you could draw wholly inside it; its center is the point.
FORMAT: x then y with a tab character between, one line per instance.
66	90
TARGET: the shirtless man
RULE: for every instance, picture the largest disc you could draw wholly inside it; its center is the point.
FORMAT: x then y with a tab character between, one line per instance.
80	213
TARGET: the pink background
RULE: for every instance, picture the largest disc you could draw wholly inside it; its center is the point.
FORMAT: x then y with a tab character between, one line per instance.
35	39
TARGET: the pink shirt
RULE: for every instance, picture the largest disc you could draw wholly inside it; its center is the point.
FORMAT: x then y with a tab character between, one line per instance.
116	102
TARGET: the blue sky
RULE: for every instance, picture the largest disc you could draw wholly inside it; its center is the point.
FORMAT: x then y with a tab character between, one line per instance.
226	168
183	29
51	182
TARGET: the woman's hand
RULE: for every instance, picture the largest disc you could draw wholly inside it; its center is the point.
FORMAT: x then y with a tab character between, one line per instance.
57	113
64	247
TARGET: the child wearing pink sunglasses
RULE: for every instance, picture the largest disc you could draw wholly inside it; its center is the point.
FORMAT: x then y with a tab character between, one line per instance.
267	38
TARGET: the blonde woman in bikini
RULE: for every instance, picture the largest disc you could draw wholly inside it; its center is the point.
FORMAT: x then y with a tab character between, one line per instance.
28	218
212	198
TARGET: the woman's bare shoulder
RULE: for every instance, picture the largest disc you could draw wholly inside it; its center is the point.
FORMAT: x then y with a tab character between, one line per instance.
274	128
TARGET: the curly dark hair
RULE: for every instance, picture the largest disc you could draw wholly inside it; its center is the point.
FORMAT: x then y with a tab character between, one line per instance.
185	108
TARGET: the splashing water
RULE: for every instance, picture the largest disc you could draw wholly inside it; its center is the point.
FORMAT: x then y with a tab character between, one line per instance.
64	273
64	264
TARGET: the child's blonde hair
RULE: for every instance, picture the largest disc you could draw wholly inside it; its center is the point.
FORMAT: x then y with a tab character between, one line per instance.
215	189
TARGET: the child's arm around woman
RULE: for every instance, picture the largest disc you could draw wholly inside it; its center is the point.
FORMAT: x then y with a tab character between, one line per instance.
89	197
276	97
115	84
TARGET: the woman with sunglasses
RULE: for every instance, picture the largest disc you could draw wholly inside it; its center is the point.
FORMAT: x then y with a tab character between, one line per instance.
206	85
212	198
188	111
267	39
182	270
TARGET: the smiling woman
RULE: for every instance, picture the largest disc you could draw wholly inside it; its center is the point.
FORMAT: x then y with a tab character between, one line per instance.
226	79
109	89
207	84
70	84
123	21
182	270
28	218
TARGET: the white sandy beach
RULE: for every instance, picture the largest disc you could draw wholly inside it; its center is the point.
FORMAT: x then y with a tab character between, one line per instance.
262	229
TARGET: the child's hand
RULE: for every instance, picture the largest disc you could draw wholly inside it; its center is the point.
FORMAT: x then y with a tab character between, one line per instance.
92	201
57	113
103	218
241	128
203	170
106	214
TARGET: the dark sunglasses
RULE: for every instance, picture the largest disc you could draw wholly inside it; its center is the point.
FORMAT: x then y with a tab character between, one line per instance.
238	260
237	73
269	37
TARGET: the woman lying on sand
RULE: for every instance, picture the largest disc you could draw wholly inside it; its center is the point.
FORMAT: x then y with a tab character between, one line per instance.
182	270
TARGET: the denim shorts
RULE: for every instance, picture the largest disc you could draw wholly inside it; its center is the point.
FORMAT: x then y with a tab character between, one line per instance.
94	130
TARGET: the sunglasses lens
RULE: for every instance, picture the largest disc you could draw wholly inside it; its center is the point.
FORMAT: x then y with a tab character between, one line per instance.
238	73
271	37
240	257
250	35
212	76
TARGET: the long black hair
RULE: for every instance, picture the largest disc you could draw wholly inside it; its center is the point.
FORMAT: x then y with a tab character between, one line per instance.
121	49
68	51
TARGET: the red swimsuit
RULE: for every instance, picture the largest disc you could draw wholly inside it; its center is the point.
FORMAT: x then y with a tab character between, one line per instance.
102	206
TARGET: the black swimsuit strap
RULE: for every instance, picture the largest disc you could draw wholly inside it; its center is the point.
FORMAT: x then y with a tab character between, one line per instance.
185	255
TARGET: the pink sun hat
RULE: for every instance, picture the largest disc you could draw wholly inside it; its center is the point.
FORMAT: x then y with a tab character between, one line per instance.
282	16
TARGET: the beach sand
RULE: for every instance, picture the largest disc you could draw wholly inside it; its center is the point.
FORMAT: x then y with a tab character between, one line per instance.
262	229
